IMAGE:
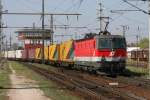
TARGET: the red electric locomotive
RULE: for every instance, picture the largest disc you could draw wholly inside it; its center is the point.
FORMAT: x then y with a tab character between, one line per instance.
101	52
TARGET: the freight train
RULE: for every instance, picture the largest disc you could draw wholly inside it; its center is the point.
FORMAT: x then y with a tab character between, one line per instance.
93	53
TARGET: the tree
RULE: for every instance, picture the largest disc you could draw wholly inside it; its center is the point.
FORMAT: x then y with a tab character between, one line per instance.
144	43
15	46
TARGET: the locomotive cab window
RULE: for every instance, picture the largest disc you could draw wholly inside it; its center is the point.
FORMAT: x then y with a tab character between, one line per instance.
111	43
118	43
103	43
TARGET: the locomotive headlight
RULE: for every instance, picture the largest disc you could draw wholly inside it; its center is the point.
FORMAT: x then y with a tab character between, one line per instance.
112	53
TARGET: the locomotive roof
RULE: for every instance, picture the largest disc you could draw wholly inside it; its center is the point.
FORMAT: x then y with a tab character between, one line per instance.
145	49
108	36
101	36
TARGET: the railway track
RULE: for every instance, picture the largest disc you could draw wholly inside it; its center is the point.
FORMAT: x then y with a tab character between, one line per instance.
136	81
125	86
89	87
70	83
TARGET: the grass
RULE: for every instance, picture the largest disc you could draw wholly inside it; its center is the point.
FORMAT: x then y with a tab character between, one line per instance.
4	81
136	71
49	88
142	64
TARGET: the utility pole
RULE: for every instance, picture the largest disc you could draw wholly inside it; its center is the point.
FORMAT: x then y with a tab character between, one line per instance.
124	28
101	17
43	22
6	50
137	41
1	26
10	42
33	25
149	37
52	31
101	12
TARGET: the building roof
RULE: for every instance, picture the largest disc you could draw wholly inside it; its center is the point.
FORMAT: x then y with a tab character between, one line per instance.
33	34
129	49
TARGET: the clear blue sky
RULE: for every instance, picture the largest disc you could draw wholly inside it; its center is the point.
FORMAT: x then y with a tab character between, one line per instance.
89	12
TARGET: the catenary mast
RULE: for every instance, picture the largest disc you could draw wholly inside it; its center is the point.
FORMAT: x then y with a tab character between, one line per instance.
1	27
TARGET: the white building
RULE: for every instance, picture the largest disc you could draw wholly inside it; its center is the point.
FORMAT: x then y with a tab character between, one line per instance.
129	49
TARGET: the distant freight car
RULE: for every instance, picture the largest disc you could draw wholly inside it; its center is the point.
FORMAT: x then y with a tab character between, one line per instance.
54	54
46	53
38	54
141	55
11	54
25	55
31	55
18	54
66	53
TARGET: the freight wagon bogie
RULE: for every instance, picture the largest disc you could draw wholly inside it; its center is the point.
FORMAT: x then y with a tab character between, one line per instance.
69	65
87	66
113	67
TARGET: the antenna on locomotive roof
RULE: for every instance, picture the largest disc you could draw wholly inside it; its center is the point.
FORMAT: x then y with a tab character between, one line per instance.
107	23
105	31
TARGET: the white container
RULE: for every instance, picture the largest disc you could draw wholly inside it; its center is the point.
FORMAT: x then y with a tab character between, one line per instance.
11	54
18	54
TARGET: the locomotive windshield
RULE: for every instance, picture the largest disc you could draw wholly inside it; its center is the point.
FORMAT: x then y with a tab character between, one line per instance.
111	43
104	43
118	43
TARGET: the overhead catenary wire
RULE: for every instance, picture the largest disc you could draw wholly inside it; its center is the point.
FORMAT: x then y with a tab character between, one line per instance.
37	13
148	13
31	0
122	12
137	7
